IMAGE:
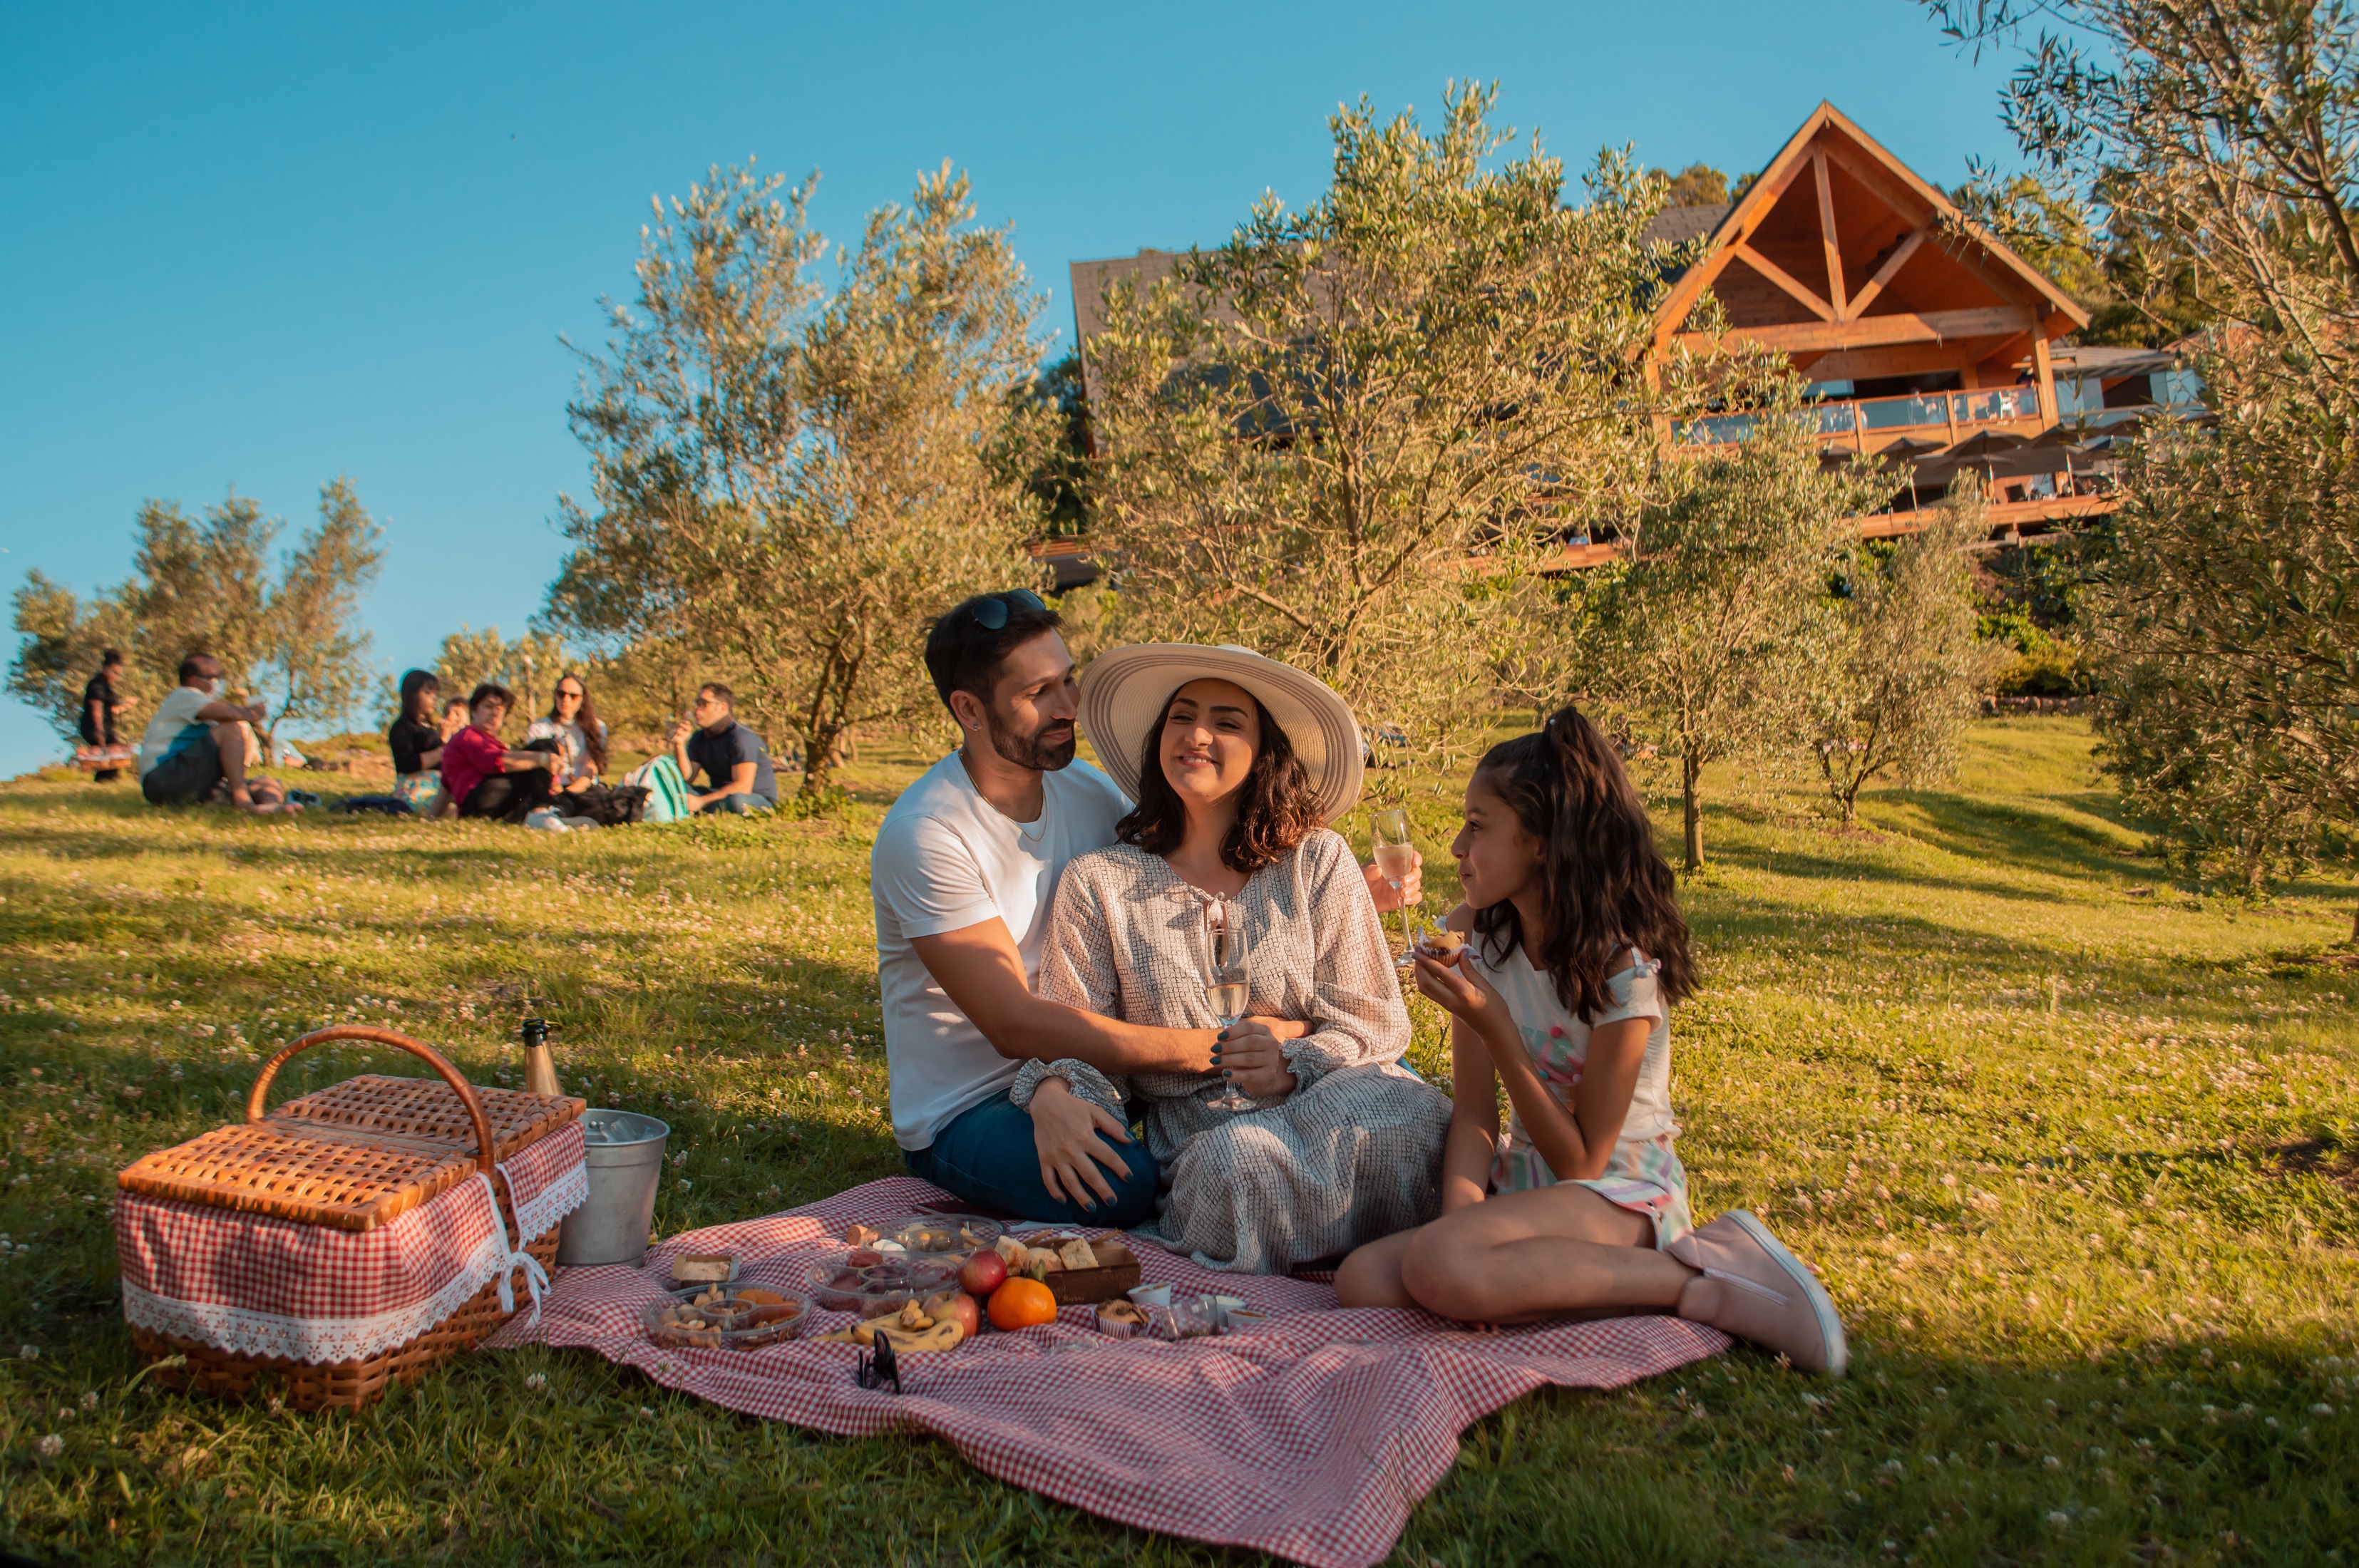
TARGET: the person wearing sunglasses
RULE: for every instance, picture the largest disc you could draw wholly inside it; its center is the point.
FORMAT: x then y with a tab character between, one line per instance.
963	873
737	769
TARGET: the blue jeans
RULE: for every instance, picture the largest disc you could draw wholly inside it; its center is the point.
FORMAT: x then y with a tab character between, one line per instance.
734	805
987	1156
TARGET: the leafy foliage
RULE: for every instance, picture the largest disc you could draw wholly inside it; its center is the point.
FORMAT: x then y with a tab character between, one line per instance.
791	483
1717	636
1908	666
1307	433
2224	616
206	586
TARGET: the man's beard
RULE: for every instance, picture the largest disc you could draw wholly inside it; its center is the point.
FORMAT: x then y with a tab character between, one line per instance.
1027	750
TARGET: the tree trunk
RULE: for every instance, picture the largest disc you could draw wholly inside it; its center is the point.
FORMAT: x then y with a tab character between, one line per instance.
1690	776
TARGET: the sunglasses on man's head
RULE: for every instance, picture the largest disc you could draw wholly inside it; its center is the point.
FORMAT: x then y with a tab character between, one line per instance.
990	611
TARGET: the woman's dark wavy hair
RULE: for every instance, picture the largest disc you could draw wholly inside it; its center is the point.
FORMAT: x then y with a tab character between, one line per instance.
1603	884
1276	807
594	734
415	683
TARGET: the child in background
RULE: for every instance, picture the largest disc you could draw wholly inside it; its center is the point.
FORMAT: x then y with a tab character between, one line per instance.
416	744
1575	952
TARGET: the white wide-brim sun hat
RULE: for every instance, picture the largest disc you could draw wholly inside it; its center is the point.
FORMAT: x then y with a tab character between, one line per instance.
1123	693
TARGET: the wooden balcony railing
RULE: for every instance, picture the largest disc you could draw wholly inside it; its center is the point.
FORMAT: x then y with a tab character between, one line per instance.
1868	424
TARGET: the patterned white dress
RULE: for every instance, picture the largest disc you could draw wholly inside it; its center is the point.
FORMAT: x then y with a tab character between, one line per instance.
1354	1152
1644	1173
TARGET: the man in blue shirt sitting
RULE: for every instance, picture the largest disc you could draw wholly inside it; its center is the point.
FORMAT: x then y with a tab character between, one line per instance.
738	771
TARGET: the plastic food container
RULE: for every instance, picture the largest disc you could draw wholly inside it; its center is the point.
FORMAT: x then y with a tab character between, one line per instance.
835	1286
725	1322
947	1234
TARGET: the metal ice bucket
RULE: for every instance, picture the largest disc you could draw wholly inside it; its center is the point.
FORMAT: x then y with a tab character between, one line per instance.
625	1156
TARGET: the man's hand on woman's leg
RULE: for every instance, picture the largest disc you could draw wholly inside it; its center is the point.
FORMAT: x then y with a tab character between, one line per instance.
1065	1130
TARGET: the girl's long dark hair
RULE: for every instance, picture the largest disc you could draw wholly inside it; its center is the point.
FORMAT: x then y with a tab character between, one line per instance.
1276	807
415	685
594	734
1605	885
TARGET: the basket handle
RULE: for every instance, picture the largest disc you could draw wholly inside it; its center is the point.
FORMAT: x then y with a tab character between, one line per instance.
258	1095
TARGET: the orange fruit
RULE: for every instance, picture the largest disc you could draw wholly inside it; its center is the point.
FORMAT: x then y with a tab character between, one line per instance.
1020	1304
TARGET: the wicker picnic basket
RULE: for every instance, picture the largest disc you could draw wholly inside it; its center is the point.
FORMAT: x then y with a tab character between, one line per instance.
352	1157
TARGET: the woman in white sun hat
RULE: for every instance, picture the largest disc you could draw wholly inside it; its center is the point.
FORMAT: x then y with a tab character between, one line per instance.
1237	763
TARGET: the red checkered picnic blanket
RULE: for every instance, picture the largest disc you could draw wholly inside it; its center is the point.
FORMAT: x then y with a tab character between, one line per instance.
1312	1437
262	1286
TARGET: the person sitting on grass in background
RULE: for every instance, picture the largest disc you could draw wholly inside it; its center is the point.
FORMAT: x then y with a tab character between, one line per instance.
454	717
198	747
736	766
1575	952
483	774
102	703
580	737
416	744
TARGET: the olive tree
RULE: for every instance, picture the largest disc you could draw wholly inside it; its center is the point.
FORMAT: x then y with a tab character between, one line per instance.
292	638
1905	669
1345	436
1715	638
789	480
2223	606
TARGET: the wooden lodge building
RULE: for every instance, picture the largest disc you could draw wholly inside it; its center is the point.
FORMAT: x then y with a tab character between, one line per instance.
1924	338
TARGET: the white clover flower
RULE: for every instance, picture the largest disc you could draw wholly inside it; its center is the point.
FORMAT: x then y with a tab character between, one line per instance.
28	1352
536	1381
50	1445
2058	1517
89	1399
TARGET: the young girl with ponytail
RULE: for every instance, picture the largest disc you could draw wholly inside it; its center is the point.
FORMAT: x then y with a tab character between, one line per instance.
1575	954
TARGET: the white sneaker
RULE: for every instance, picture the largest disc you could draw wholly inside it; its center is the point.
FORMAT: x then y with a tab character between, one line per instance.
1763	1293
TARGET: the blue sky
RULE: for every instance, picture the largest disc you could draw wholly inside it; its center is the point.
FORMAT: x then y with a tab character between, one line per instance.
261	245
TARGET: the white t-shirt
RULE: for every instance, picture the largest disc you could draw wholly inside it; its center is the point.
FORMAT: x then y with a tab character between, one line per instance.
572	745
174	716
946	858
1558	1042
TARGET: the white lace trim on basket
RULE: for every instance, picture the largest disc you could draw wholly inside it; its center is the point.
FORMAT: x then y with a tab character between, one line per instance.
553	1203
327	1340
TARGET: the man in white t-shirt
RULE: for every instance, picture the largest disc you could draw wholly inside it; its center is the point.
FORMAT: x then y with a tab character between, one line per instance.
963	870
197	746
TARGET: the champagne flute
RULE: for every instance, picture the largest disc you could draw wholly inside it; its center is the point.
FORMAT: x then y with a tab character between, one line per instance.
1396	855
1228	981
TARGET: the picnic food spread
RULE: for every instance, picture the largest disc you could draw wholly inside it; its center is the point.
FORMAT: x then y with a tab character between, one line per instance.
929	1284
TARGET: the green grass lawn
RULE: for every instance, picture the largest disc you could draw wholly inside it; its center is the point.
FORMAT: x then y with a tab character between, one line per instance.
2072	1141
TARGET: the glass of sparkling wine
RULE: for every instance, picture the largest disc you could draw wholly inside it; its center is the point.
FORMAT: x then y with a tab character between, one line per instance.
1395	856
1228	980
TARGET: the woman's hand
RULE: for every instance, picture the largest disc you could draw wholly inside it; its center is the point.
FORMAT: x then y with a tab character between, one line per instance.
1065	1129
1248	1056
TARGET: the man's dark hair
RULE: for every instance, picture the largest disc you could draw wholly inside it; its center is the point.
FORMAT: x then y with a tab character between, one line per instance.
491	688
188	665
1276	807
964	654
715	688
111	656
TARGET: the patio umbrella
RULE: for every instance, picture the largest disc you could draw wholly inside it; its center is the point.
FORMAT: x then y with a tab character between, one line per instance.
1985	444
1909	447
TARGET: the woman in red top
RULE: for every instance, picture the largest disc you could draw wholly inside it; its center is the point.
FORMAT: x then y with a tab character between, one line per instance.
483	774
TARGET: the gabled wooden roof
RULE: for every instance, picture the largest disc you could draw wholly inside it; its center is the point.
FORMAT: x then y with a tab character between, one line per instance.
1840	250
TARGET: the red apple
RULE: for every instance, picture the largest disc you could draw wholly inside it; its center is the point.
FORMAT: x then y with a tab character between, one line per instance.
862	1258
982	1274
959	1308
